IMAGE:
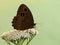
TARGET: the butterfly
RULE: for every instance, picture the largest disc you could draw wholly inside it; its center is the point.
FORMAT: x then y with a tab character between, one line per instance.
23	19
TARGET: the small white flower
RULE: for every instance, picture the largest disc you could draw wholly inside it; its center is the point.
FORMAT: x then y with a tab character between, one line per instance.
17	34
36	31
26	35
33	31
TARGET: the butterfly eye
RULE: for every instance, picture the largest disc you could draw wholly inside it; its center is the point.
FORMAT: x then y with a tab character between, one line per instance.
25	9
22	14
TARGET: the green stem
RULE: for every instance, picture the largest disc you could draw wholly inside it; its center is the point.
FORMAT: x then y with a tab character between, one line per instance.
20	41
8	43
23	41
32	36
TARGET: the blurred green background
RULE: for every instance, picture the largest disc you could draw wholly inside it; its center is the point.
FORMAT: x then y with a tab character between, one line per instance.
46	14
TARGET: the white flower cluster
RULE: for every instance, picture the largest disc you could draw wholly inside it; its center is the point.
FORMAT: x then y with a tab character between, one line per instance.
16	34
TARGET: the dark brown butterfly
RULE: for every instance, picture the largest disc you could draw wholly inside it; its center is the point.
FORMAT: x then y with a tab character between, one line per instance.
24	19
